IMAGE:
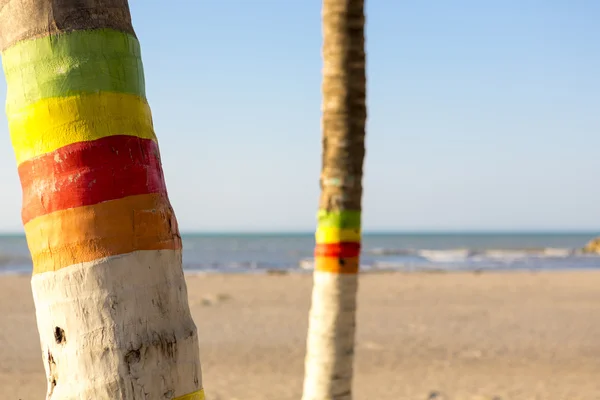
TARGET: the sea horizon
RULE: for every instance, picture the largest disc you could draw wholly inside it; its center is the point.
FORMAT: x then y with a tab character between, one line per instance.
260	251
374	232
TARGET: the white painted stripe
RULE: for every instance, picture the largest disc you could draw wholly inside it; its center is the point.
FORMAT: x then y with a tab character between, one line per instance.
330	343
128	332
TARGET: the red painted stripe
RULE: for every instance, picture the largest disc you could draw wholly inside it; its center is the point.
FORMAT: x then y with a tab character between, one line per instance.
87	173
345	249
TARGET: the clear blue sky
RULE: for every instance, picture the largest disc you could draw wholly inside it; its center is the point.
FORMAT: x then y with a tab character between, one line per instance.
483	115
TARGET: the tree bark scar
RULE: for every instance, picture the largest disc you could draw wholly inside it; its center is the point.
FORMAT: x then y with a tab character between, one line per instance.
59	335
52	378
158	303
164	345
132	357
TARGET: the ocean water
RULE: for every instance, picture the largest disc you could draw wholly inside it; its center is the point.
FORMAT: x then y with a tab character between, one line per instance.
248	253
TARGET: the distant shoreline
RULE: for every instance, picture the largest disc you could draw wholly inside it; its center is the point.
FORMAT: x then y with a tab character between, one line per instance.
379	233
302	272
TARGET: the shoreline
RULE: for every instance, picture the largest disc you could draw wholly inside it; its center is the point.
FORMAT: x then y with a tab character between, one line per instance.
370	271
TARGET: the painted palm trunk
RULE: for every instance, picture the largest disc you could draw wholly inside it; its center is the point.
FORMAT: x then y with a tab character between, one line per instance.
109	291
332	321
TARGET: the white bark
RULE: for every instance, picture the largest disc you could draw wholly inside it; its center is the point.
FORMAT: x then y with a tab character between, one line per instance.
330	343
118	328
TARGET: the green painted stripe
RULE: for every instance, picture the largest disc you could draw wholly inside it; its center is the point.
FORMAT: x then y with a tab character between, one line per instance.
339	219
73	63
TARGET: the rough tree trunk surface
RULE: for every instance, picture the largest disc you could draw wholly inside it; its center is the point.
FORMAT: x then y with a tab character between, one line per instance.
330	345
110	295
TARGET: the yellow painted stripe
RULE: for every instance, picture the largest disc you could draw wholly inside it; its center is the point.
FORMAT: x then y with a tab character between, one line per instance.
199	395
328	235
52	123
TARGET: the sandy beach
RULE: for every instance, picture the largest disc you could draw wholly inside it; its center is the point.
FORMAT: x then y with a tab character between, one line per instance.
462	335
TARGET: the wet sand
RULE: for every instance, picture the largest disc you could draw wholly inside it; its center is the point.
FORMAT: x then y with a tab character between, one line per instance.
463	335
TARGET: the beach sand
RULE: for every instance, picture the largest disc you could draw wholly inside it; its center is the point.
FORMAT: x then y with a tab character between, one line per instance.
464	335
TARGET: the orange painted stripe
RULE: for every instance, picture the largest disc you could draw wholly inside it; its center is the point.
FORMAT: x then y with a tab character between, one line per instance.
82	234
345	249
338	265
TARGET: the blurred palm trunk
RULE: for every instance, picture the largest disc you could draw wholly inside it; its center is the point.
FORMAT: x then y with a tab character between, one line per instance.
332	322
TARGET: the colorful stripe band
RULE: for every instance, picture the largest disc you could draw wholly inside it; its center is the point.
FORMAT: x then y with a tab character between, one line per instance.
76	235
101	60
338	240
87	173
53	123
199	395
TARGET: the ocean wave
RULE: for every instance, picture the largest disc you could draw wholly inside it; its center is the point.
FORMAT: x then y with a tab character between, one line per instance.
445	256
238	266
378	251
449	255
475	259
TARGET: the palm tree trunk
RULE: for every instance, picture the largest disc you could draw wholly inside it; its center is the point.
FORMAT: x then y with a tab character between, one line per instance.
330	344
110	295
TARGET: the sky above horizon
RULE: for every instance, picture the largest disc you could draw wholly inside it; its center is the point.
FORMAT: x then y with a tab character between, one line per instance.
482	115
